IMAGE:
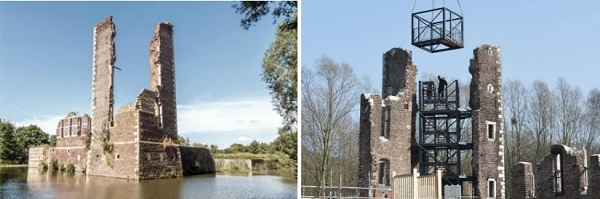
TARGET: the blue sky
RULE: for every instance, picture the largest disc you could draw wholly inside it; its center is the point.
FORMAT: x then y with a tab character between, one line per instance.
540	40
46	64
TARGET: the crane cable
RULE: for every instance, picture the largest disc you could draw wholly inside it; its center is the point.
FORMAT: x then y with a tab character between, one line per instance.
458	1
460	7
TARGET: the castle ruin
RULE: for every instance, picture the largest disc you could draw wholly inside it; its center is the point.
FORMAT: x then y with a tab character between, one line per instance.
411	126
140	140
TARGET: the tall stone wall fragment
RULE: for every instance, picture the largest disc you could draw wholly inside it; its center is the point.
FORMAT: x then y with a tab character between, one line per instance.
103	75
488	125
162	77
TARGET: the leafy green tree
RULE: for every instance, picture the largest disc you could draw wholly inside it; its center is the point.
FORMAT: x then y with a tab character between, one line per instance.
214	148
52	140
280	72
183	141
7	142
280	69
287	142
254	147
280	64
237	148
199	145
253	12
28	136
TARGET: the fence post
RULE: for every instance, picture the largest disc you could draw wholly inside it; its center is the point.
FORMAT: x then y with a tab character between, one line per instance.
438	183
340	188
415	183
369	179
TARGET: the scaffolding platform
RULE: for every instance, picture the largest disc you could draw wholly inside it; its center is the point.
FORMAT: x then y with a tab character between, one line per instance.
442	124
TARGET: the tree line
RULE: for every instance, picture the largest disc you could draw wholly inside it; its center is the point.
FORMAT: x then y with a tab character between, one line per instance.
284	145
15	142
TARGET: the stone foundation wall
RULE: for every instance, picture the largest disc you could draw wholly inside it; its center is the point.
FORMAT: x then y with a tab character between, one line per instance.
522	181
244	165
196	161
37	154
159	161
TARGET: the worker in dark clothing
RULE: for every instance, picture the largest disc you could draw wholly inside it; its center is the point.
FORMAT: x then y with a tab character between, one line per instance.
442	86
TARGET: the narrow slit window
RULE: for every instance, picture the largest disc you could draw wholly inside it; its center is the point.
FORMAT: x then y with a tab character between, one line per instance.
385	118
491	130
383	173
491	188
558	181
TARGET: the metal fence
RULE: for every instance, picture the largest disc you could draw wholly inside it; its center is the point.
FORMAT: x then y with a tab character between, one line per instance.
334	192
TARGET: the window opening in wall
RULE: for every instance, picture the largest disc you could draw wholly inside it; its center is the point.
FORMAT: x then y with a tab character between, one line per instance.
558	181
490	88
70	125
68	150
491	130
491	188
386	123
118	156
532	194
406	106
383	173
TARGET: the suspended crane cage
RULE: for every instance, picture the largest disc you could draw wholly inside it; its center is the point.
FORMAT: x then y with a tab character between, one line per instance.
437	30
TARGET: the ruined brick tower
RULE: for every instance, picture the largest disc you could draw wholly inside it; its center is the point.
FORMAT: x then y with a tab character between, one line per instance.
386	125
387	140
140	141
487	121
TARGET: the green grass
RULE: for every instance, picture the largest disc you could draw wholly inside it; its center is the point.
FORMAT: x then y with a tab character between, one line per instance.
251	156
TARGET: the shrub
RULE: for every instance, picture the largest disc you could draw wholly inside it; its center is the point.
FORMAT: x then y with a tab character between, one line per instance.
70	168
42	166
53	164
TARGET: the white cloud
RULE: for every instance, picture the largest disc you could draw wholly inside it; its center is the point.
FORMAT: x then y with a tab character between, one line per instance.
238	114
244	140
47	124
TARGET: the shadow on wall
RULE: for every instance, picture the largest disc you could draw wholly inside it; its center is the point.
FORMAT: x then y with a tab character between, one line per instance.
196	161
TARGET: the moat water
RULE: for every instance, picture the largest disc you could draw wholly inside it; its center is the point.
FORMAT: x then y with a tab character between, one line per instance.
22	182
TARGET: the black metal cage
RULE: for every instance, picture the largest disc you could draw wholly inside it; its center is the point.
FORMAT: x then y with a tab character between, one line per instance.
437	30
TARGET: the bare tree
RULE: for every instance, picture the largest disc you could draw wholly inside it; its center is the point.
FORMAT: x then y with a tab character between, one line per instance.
516	108
570	112
329	96
593	122
542	116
